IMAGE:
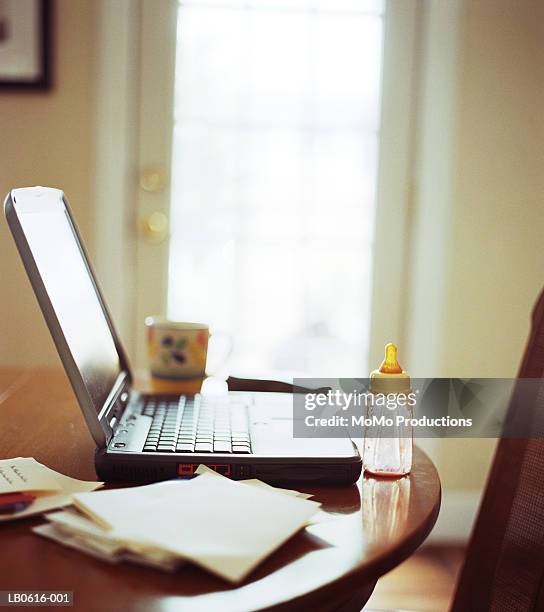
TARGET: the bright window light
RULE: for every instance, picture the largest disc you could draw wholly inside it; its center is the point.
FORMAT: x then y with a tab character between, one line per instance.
277	114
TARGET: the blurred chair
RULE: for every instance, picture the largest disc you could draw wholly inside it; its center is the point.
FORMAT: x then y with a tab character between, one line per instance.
504	567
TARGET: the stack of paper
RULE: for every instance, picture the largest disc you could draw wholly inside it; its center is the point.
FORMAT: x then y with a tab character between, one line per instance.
52	490
224	526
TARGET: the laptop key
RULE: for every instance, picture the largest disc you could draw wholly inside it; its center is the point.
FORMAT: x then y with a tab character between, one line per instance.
185	448
149	447
241	449
221	447
164	448
203	447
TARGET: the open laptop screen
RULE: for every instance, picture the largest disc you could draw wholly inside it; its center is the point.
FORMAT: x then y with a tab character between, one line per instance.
70	289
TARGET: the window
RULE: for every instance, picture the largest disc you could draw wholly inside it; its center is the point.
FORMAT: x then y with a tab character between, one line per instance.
274	171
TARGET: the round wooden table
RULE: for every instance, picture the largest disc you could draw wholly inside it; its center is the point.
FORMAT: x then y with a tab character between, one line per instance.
363	532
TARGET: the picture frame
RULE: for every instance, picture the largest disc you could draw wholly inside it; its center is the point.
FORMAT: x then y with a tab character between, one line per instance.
25	44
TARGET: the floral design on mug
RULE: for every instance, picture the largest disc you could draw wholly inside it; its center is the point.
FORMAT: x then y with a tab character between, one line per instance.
173	352
178	357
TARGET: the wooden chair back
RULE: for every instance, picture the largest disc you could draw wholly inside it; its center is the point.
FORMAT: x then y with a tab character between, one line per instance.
504	567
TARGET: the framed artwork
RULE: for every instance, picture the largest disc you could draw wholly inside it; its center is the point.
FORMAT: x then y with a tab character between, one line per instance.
25	43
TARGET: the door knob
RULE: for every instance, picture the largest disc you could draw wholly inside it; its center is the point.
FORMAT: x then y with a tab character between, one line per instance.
155	227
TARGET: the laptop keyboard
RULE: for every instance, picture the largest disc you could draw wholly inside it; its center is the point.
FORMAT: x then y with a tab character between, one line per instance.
199	425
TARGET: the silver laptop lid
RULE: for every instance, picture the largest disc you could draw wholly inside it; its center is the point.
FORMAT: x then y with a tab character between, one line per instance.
71	302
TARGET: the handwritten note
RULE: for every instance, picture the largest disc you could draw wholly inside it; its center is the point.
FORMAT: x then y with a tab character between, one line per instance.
52	489
25	474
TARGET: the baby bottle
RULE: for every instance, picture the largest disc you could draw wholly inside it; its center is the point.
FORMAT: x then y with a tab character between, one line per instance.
390	452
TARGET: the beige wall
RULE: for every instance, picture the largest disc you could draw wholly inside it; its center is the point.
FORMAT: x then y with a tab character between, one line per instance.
47	139
496	271
493	268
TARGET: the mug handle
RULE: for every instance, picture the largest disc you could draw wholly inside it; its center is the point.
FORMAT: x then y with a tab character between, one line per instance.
219	369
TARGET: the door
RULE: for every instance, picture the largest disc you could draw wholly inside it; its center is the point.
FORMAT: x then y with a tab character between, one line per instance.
261	128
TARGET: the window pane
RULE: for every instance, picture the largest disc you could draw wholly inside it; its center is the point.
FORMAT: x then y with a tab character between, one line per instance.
274	175
372	7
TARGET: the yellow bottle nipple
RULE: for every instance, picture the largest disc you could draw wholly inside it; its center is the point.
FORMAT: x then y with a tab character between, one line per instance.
390	365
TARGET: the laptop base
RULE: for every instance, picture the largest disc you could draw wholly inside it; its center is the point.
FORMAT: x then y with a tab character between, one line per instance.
143	468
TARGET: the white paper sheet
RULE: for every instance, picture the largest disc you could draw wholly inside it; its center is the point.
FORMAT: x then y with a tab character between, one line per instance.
110	554
73	522
203	469
225	526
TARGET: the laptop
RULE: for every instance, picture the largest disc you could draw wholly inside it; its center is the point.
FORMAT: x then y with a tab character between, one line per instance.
145	437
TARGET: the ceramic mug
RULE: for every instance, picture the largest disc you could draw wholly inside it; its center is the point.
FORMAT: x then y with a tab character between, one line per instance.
177	353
